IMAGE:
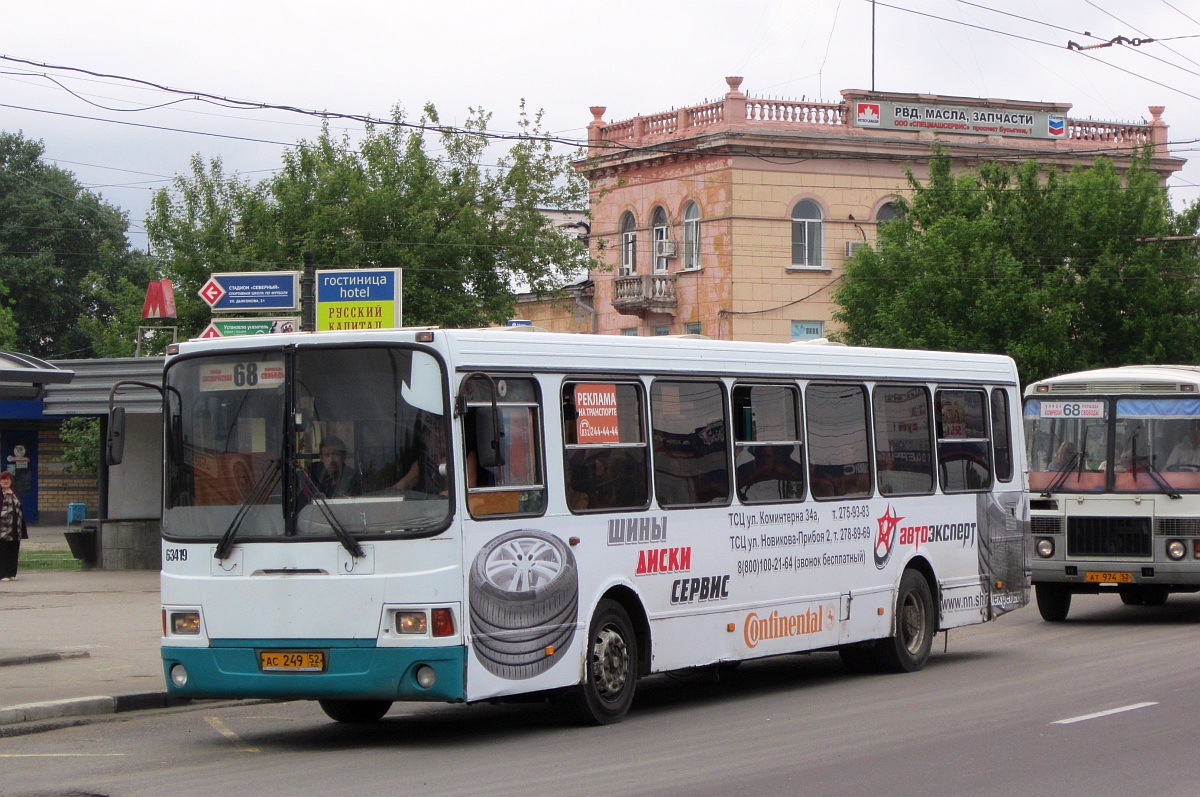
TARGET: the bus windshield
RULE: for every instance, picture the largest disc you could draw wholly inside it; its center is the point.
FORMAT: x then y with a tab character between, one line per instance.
293	443
1118	445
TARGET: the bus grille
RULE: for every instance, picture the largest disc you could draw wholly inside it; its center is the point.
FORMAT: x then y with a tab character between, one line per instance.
1109	536
1177	527
1046	525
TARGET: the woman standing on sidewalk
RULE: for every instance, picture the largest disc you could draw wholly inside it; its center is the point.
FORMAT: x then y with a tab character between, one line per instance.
12	527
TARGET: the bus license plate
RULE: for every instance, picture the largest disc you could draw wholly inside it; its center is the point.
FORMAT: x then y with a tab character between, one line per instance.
291	660
1110	578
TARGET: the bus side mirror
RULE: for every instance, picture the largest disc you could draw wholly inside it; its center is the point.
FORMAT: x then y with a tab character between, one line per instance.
115	447
489	439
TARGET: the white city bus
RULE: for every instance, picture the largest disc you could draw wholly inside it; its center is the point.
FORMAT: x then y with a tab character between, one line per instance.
1114	479
519	513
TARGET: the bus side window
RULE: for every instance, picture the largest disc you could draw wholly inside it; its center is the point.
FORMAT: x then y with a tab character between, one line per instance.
964	450
1002	435
691	449
839	447
503	453
768	449
605	453
903	440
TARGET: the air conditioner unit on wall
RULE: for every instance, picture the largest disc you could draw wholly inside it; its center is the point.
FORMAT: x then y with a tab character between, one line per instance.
664	249
854	246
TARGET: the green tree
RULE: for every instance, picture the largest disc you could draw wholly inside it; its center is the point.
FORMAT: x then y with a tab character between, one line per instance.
1049	267
467	236
81	453
58	244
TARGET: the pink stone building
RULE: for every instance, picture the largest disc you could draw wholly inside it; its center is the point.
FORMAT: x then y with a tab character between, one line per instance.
733	218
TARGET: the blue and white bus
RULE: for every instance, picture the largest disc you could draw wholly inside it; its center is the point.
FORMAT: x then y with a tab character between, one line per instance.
360	518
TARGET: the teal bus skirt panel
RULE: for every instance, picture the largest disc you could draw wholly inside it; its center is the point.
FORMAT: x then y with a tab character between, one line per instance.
354	669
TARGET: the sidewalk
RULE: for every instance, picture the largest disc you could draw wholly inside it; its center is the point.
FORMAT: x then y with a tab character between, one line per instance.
78	642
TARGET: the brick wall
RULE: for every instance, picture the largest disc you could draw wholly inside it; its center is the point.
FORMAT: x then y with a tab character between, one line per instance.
56	486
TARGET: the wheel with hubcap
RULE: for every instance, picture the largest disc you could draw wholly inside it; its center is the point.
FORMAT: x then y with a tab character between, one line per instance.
611	670
913	627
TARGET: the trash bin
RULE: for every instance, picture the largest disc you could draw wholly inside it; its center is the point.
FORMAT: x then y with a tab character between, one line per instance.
83	543
75	514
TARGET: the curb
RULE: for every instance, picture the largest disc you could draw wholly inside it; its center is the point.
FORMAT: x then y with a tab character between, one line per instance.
38	657
34	717
88	706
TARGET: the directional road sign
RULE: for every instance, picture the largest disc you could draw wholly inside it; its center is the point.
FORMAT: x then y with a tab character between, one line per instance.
252	291
231	327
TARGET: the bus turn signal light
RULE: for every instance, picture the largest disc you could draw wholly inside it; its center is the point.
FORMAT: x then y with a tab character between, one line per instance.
443	622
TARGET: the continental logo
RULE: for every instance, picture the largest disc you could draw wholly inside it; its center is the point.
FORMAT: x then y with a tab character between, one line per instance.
664	560
781	626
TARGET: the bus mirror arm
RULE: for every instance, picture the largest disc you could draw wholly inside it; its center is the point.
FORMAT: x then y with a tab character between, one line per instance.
114	448
490	439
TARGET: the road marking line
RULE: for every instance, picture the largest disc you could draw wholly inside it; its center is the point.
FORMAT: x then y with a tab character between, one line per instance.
1099	714
220	728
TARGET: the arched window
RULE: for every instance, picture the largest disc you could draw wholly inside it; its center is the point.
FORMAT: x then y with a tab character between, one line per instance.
887	212
628	245
658	234
806	234
691	235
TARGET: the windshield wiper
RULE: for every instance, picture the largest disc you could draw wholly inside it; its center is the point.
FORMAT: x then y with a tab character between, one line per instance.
314	492
258	494
1151	471
1063	472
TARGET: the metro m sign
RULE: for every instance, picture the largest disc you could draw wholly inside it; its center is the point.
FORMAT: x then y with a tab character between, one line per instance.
160	300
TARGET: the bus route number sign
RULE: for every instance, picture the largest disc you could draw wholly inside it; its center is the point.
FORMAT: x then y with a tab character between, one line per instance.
1072	409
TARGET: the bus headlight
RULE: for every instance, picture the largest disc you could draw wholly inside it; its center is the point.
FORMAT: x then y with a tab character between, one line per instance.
1045	547
411	623
179	675
185	623
1176	549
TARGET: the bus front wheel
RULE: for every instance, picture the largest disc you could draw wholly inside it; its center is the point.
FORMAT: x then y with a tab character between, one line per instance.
357	711
1053	602
913	627
611	670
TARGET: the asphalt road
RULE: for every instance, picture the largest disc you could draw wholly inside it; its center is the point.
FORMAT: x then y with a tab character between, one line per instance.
1107	703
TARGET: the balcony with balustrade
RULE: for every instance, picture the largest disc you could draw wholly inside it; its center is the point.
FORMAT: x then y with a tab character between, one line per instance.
643	294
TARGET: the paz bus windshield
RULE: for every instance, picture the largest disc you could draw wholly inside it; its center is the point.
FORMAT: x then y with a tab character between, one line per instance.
283	443
1104	444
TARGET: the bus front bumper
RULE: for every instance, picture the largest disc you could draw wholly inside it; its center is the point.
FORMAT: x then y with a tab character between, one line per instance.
350	670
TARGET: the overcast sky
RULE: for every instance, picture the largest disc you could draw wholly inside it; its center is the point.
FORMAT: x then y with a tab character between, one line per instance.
632	57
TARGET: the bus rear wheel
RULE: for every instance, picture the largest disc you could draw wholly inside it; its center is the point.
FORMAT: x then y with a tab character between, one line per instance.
913	628
356	711
1053	602
611	670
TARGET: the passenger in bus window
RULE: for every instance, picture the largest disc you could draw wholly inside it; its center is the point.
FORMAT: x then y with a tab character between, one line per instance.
330	474
1186	454
1064	457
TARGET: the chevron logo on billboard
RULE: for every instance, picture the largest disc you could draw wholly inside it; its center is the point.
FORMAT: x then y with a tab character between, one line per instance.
1056	125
